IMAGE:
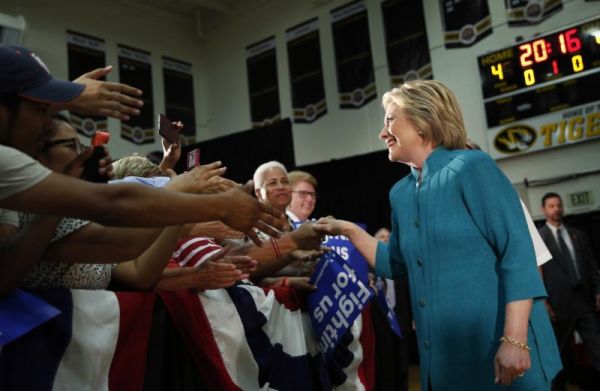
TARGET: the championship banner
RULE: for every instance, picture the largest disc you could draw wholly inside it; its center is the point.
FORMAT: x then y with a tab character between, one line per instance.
179	97
465	22
261	62
306	72
527	12
85	53
337	302
406	42
135	69
564	127
354	63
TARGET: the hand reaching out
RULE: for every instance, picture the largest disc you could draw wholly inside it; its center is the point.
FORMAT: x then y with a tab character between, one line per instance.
244	213
104	98
307	238
331	226
199	179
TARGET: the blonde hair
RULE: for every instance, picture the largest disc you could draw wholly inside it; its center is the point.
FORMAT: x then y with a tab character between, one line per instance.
433	109
135	165
259	174
299	176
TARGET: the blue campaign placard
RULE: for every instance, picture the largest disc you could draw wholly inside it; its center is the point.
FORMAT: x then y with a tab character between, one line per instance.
338	300
383	304
20	312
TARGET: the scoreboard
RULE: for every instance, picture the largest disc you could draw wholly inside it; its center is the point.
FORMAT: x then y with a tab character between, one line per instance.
543	92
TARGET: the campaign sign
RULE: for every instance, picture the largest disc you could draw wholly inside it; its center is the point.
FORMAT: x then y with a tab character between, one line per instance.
383	304
345	249
20	312
338	300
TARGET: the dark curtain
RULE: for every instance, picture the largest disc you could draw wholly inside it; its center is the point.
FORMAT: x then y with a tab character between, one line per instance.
243	152
356	188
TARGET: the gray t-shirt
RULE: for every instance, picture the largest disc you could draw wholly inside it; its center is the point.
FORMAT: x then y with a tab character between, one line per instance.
18	172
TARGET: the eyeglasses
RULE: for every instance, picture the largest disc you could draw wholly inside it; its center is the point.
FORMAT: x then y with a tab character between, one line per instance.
305	194
72	143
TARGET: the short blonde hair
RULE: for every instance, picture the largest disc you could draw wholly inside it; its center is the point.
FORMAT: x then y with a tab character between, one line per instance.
135	165
299	176
259	174
433	109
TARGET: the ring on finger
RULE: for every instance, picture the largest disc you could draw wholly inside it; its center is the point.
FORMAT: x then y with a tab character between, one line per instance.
521	374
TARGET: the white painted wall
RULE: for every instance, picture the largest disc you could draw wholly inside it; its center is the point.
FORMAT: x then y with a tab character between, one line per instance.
221	81
117	23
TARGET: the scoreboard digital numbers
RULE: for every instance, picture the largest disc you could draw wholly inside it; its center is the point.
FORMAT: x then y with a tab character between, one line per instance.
543	92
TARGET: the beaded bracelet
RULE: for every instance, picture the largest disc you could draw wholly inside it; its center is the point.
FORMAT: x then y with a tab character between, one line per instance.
515	342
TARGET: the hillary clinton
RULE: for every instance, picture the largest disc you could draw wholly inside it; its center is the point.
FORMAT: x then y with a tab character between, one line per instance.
459	232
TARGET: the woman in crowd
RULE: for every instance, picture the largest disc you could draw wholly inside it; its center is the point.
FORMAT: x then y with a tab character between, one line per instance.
304	196
459	232
272	186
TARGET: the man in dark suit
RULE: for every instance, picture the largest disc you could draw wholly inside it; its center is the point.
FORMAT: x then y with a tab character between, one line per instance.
573	284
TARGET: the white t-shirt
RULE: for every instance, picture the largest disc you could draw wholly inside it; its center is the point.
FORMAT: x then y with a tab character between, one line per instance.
542	254
18	172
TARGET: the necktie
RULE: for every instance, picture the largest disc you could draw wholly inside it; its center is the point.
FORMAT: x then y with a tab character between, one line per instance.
574	269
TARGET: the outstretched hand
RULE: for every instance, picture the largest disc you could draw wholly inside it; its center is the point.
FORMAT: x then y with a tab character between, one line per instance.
104	98
199	179
245	213
307	238
331	226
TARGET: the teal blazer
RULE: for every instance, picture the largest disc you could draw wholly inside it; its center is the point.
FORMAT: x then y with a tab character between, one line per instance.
462	238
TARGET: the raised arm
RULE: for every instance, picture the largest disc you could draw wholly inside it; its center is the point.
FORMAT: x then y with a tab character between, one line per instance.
144	271
136	205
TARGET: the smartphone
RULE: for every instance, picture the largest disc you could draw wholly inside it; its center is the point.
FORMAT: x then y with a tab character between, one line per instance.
193	158
91	166
167	130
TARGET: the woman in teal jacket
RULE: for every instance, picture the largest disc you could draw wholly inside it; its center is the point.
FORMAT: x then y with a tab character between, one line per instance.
459	232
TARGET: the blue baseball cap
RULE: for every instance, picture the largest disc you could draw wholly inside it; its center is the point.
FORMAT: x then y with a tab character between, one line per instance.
24	74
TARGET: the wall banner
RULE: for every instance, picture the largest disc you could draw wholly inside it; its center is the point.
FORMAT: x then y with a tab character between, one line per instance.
465	22
135	69
556	129
406	42
527	12
179	97
306	72
353	59
85	53
263	87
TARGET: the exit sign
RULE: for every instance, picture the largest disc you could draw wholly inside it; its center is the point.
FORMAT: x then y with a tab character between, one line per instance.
581	198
